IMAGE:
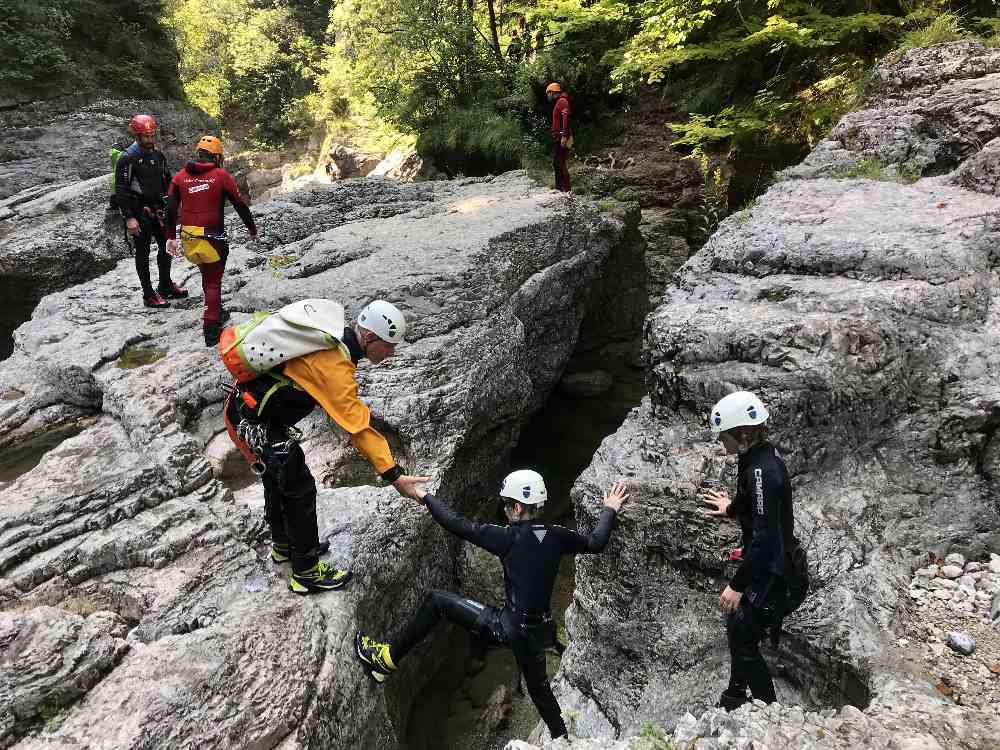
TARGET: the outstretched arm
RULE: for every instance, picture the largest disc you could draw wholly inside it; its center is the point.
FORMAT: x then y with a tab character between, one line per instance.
490	537
575	543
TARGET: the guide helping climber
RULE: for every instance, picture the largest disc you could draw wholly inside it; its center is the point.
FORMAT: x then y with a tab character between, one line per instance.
285	364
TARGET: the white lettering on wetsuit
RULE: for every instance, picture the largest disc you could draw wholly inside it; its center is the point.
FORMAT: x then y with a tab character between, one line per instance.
758	478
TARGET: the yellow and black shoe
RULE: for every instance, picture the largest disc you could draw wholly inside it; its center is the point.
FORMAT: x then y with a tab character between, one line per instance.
375	656
320	577
282	552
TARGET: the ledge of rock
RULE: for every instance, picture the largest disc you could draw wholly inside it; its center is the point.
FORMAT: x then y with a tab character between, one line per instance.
863	312
497	277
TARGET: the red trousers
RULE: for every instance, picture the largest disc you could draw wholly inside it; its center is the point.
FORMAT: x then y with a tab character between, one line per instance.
211	284
559	154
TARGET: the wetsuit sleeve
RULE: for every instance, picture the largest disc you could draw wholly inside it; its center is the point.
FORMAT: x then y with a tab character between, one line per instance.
173	205
123	190
492	538
232	191
764	500
328	377
575	543
564	118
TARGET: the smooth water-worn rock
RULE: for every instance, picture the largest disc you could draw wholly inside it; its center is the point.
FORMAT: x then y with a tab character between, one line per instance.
128	519
961	643
863	312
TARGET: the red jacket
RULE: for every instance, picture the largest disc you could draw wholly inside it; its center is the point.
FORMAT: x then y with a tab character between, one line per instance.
560	118
200	191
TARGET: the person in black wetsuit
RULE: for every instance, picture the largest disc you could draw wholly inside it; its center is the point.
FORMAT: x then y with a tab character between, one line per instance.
530	551
141	181
754	600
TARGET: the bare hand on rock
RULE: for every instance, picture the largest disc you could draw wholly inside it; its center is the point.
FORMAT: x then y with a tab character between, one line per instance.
615	497
719	500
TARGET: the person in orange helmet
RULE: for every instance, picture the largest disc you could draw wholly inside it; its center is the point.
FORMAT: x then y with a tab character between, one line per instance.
198	194
562	134
141	180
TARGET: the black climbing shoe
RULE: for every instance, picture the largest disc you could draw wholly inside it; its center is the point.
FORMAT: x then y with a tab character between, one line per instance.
212	333
172	291
320	577
731	700
375	656
282	552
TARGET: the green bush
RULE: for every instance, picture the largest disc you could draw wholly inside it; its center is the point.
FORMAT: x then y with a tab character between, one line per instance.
945	28
51	47
472	141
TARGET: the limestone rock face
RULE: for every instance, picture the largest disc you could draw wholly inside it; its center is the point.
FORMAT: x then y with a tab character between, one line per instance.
192	638
863	313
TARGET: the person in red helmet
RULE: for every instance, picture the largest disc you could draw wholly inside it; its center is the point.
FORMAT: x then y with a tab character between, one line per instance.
562	134
141	180
199	193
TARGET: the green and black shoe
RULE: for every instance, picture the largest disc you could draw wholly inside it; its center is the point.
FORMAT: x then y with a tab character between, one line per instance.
320	577
375	656
282	552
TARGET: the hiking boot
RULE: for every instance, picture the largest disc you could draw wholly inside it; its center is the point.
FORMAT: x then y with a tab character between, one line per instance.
154	300
732	699
375	656
212	333
172	291
282	552
320	577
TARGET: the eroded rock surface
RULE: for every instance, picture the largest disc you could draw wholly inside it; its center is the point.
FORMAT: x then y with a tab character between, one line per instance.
863	312
496	276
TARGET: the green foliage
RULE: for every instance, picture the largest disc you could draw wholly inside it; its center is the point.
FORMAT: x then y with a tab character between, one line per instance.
876	169
253	63
945	28
60	46
651	738
473	141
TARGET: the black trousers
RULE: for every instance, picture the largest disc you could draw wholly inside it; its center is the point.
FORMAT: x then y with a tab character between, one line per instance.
290	504
491	627
149	230
762	606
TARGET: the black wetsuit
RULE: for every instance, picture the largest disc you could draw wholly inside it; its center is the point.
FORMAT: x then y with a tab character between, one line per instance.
142	178
530	552
763	506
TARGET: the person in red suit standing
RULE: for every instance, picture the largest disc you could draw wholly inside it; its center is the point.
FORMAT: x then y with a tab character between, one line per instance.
197	197
562	134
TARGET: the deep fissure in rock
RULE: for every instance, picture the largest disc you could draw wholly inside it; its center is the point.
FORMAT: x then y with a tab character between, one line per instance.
470	705
20	298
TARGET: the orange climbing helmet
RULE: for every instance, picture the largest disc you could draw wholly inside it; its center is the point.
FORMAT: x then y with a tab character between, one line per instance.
553	88
211	144
142	125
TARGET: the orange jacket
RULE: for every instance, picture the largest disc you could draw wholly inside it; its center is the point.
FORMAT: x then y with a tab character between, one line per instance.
328	376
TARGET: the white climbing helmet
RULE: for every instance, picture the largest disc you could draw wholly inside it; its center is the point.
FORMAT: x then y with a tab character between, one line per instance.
740	409
525	486
385	320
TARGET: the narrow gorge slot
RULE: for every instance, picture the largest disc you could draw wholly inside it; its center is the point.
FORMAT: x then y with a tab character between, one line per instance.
471	705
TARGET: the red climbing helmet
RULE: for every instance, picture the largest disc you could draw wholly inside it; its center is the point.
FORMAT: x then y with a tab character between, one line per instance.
142	125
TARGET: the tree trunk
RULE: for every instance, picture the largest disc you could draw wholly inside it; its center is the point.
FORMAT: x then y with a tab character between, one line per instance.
493	29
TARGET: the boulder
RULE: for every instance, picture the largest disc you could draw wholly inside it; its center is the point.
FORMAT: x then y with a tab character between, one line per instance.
130	514
862	312
961	643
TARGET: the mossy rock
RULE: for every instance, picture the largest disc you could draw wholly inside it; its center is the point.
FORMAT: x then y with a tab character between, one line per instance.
137	356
